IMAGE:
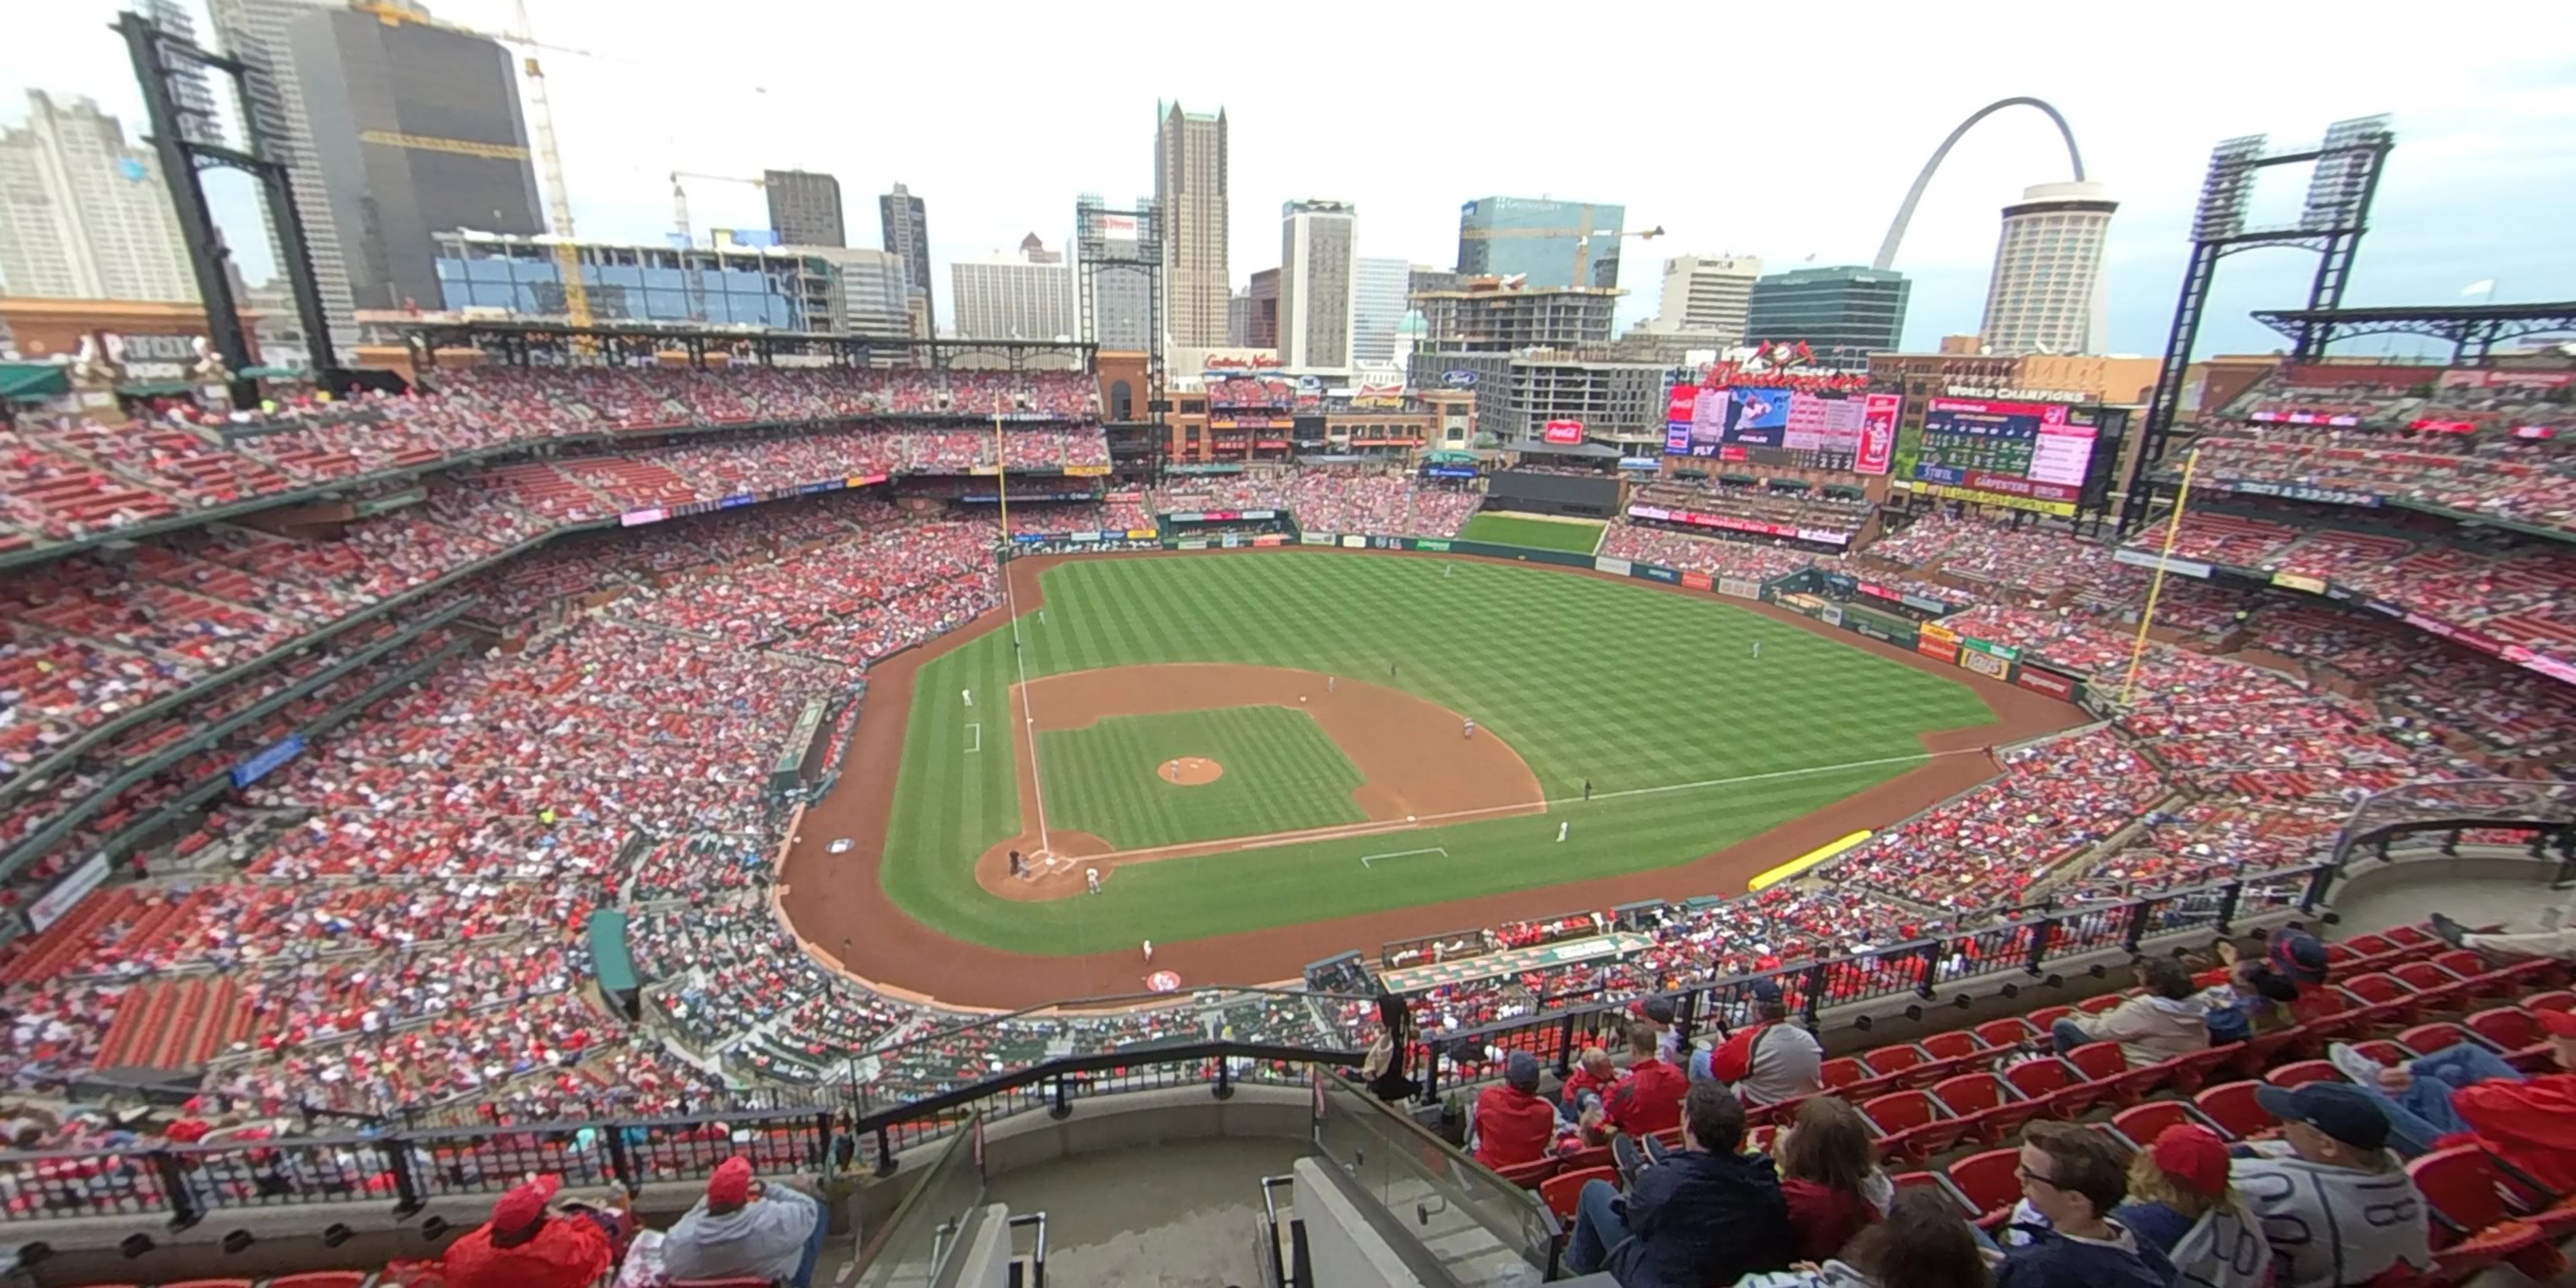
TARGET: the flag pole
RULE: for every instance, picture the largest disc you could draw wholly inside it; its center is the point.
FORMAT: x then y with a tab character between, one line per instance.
2156	588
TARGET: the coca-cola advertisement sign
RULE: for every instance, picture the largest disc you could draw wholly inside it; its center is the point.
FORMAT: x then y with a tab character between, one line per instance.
1564	431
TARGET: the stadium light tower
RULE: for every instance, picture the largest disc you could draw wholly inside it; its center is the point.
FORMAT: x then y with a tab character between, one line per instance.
2337	211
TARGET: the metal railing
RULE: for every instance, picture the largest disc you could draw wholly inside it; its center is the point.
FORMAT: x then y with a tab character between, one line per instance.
862	1123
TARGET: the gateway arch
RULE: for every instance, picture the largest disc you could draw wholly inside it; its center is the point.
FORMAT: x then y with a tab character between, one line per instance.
1905	213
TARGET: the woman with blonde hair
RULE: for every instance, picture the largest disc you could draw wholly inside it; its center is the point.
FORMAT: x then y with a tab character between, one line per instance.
2181	1203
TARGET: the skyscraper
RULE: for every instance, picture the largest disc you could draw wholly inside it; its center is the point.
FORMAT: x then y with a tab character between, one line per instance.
417	131
199	121
906	231
1378	307
1261	328
255	32
1707	295
804	208
1318	245
2046	295
1027	296
1546	241
1845	313
1122	259
1190	191
83	215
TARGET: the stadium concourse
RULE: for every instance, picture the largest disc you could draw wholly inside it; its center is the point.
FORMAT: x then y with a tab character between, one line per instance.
506	726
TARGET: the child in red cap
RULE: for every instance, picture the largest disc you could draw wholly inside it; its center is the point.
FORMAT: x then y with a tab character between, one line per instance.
2180	1203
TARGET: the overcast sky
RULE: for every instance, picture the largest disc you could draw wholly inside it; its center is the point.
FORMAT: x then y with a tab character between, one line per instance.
1778	136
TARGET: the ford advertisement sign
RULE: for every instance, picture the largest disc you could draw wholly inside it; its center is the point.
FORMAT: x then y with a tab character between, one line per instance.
1458	378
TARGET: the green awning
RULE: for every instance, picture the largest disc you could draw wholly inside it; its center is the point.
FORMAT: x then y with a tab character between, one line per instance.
276	373
33	381
1448	458
156	388
609	959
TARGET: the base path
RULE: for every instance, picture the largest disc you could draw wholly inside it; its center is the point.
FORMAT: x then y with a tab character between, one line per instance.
836	903
1413	756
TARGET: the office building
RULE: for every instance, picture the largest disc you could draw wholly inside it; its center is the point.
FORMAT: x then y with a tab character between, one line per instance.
1261	322
1378	305
1238	318
1190	194
804	208
83	214
2047	292
1115	291
1517	393
1844	314
1707	295
905	228
780	288
418	131
191	87
1423	277
1551	243
255	31
1318	262
1026	296
1489	315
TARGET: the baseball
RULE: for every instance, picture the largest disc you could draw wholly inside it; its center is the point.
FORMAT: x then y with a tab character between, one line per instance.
1408	818
1301	697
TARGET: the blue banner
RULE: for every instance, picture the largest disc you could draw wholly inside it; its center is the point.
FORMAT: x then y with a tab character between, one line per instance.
1656	572
268	758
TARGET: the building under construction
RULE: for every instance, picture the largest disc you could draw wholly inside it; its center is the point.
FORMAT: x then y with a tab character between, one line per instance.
1490	315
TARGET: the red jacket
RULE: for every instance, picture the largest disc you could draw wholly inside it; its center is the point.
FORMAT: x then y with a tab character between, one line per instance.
2531	1125
568	1252
1649	1100
1580	1082
1825	1219
1733	1062
1512	1127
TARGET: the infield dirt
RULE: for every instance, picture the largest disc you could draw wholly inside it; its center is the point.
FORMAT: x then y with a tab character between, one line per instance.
835	902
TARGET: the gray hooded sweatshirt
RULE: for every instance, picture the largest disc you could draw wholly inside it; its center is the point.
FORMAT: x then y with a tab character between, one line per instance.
765	1237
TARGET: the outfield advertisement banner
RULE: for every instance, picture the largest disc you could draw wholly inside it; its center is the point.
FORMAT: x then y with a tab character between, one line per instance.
1615	567
1833	615
2050	683
1354	541
1438	545
1220	516
50	906
1664	575
1698	581
2142	559
1986	664
2299	581
1317	539
1269	539
1933	639
1739	587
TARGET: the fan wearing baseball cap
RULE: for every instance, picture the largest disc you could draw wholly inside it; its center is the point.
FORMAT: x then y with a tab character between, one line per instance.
2333	1203
2180	1202
1767	1061
531	1242
746	1228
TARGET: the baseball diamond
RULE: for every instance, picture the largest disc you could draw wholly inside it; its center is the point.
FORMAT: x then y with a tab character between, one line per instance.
1704	763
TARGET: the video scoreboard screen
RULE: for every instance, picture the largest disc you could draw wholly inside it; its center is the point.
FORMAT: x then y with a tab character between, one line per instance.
2027	455
1768	426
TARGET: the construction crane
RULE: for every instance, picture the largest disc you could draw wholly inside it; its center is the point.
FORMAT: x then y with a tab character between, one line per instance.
1582	239
680	199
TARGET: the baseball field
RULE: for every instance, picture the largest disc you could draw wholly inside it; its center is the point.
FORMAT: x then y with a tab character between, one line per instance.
1581	536
1330	696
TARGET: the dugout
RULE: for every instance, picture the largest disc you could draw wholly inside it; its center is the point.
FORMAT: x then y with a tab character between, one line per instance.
1423	950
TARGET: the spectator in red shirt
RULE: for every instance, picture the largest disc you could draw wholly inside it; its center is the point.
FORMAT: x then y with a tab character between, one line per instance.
1770	1061
1513	1123
2531	1124
532	1243
1649	1100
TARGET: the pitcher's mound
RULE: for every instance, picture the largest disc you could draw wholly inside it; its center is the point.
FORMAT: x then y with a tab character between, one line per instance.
1189	771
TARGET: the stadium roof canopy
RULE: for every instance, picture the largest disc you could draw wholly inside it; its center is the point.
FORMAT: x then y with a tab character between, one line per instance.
2472	329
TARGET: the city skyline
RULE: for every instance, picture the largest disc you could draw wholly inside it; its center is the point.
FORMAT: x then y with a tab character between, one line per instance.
2470	192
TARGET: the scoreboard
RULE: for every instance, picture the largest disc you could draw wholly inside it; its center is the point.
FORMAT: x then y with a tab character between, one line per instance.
2027	455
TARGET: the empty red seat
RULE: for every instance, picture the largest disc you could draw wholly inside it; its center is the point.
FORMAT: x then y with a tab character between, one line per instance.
1528	1175
1988	1185
2473	1231
2512	1031
2097	1005
1912	1126
2231	1107
1562	1191
2303	1072
2009	1031
2047	1016
2385	1000
1908	1064
2107	1066
2558	1000
2058	1084
1993	1110
2425	1039
2143	1123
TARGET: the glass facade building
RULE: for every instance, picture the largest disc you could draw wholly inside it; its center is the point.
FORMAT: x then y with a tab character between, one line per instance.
1541	239
1847	312
735	286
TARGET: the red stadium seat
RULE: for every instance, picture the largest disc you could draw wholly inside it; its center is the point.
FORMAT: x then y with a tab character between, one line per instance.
1993	1110
2514	1032
2059	1084
2304	1072
320	1279
2486	979
1988	1185
2439	985
2472	1230
2009	1031
2425	1039
2231	1107
1528	1175
1953	1049
2329	1014
2141	1124
1909	1065
2385	1000
1561	1192
1912	1125
2106	1066
2097	1005
2046	1016
2185	1074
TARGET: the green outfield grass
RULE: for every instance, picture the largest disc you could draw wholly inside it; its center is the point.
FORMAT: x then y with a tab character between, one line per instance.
1579	536
1282	774
1690	743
